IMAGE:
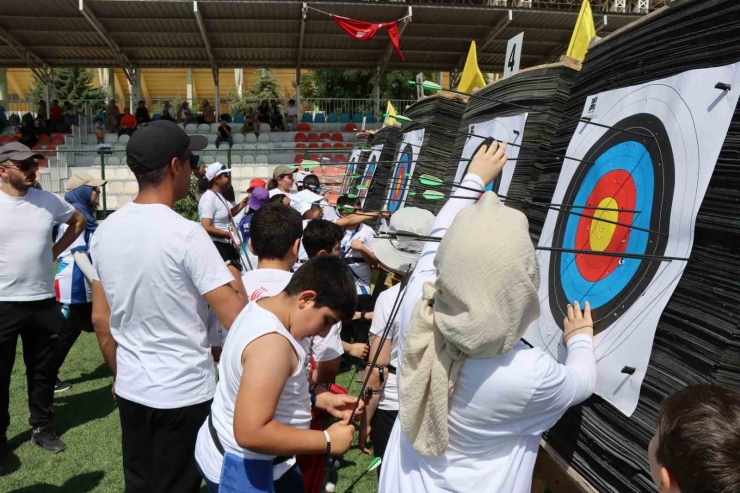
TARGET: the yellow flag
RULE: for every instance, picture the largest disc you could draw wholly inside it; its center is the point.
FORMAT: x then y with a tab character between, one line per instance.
390	112
583	33
471	76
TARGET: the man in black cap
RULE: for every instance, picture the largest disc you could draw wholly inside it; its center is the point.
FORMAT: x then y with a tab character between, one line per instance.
28	305
154	271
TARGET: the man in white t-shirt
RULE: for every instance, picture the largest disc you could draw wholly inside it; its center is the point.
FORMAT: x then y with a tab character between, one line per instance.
291	114
153	273
27	302
382	398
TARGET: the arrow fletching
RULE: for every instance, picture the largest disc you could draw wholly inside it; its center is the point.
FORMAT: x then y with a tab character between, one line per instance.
431	181
433	195
374	464
307	164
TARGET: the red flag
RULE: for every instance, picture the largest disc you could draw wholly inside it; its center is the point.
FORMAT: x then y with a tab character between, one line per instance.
364	30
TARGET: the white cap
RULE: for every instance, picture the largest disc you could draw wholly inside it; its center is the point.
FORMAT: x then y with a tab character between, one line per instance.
299	176
304	200
215	169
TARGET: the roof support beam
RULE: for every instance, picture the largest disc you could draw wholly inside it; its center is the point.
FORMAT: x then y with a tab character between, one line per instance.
206	42
383	64
39	68
128	69
304	18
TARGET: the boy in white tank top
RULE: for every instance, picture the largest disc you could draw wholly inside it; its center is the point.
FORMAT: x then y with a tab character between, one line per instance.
262	409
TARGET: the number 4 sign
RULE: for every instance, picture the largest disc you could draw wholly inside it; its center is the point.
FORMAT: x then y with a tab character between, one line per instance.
513	55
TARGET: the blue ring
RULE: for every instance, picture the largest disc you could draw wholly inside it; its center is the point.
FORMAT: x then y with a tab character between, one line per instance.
403	164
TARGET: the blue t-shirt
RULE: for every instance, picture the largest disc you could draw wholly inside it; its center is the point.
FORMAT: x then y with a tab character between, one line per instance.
244	227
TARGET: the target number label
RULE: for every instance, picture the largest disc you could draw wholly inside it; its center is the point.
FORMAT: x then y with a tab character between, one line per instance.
513	55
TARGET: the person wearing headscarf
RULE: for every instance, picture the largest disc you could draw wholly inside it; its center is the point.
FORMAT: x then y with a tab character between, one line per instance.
72	282
473	399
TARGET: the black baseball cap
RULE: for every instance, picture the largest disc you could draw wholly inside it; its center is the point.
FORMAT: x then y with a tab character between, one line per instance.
155	144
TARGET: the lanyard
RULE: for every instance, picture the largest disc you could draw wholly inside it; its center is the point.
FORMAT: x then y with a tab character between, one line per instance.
347	245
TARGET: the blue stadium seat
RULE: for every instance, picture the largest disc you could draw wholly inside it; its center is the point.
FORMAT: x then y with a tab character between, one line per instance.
369	118
332	118
344	118
319	118
225	116
239	118
307	118
357	118
156	116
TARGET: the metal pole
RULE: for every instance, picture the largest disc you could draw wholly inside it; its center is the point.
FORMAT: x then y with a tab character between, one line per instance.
102	177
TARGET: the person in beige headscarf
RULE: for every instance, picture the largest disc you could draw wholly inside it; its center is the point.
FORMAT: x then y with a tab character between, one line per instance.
473	398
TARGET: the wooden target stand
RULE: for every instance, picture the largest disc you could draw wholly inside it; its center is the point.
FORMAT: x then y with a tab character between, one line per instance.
552	474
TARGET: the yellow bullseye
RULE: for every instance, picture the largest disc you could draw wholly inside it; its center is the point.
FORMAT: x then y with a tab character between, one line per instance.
601	232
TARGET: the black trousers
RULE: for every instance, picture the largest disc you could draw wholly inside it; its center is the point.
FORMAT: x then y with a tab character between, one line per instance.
80	318
358	330
159	447
380	432
39	324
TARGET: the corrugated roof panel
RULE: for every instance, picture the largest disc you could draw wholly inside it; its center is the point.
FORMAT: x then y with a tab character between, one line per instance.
156	25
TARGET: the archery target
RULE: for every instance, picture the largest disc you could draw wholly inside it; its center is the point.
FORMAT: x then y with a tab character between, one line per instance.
369	173
348	181
626	200
506	128
403	169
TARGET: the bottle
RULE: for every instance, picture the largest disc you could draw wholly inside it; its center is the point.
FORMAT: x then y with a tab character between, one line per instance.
65	311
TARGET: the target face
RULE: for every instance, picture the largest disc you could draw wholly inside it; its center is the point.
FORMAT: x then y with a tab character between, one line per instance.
629	192
403	170
631	186
347	182
369	173
503	129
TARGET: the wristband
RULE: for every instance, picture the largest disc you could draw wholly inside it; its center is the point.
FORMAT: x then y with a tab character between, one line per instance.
328	442
313	399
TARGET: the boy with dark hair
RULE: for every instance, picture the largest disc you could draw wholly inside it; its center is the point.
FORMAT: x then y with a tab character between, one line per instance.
262	410
322	236
696	447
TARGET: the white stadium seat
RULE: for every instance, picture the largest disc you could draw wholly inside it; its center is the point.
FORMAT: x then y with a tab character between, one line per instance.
112	161
238	147
211	138
238	138
264	128
182	126
123	139
96	161
248	159
250	138
236	159
110	138
260	159
263	138
122	173
208	159
210	147
191	128
222	158
119	147
214	127
204	128
131	187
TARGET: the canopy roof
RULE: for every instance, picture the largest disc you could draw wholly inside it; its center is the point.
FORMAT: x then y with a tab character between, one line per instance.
253	33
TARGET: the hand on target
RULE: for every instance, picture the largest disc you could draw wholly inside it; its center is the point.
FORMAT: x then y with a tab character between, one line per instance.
578	322
488	162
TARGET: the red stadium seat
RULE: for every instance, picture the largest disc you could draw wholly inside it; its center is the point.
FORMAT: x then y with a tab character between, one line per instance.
340	158
339	145
37	147
50	150
5	139
312	137
326	158
300	145
350	127
43	163
300	137
313	145
324	136
337	137
44	139
325	145
298	159
58	139
304	127
313	157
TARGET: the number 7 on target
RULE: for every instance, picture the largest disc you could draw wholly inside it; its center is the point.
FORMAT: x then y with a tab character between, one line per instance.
513	55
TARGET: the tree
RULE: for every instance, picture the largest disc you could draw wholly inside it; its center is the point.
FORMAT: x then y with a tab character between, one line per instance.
71	84
359	84
266	86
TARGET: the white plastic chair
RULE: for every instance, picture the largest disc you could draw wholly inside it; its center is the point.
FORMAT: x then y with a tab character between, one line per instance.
191	128
210	147
208	159
214	127
109	138
204	128
265	128
236	159
131	187
263	138
249	159
250	138
112	161
222	158
239	138
260	159
211	138
123	139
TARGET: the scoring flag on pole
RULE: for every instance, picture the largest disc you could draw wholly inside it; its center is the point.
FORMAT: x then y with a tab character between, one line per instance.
365	30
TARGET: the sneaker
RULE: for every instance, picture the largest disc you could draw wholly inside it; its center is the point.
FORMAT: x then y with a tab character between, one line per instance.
48	440
62	386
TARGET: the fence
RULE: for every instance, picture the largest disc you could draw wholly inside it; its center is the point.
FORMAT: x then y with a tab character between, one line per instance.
246	164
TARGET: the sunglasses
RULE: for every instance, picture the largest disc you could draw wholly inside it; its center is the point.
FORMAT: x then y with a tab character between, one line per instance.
24	166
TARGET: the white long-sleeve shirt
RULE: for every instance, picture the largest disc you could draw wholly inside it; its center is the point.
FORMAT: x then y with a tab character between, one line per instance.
499	408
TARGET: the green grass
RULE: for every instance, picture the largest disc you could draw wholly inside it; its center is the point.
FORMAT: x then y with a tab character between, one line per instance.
87	419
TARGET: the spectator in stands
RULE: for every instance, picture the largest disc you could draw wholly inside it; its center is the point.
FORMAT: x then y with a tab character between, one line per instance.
207	113
40	125
42	109
99	130
250	122
167	112
276	116
291	115
282	180
3	118
128	123
73	279
112	116
184	115
263	113
18	134
57	112
14	120
27	305
70	115
142	113
696	446
28	134
224	135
